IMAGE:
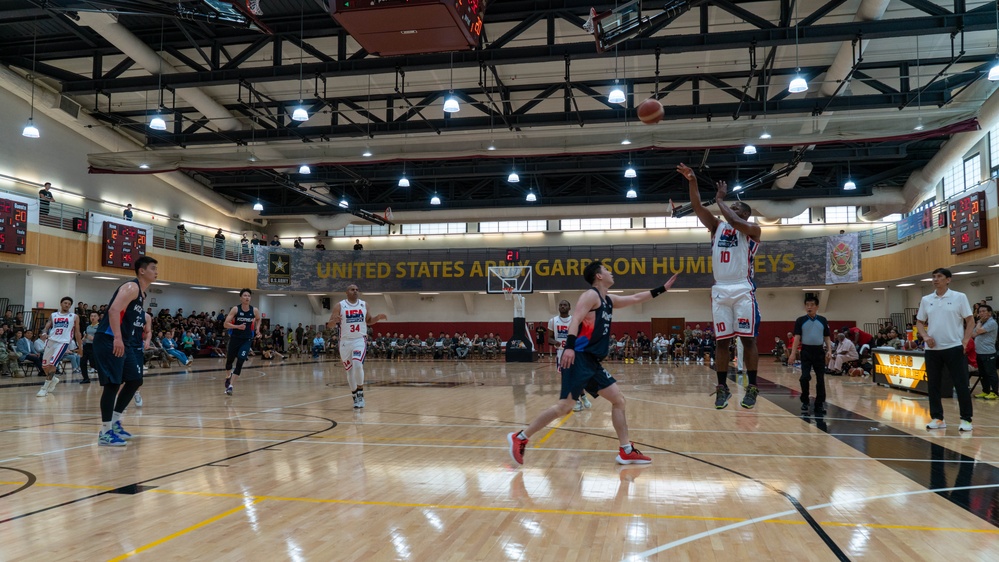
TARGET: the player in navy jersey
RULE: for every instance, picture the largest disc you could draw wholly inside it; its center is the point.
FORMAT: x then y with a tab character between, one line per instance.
585	347
118	351
243	323
734	310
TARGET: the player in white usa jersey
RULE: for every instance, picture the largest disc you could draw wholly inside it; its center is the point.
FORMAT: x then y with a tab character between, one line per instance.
558	332
351	314
63	327
734	242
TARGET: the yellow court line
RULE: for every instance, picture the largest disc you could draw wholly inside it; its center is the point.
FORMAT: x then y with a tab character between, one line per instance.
257	499
184	531
552	430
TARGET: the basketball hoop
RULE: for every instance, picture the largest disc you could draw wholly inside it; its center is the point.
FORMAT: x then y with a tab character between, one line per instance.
508	293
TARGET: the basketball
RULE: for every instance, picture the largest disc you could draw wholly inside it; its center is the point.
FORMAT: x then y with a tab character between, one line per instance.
650	111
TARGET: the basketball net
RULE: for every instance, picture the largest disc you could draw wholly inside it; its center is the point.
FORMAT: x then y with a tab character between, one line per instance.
254	7
508	293
388	214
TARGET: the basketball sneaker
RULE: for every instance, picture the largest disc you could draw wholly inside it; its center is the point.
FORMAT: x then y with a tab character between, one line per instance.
578	406
992	396
965	426
749	400
936	424
586	401
804	407
44	390
360	398
228	390
722	395
357	401
110	439
634	457
118	430
53	383
517	446
138	399
981	395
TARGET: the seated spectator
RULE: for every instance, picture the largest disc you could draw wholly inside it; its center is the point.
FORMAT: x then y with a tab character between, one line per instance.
461	350
477	345
490	346
441	345
318	345
170	346
25	349
893	339
780	351
845	352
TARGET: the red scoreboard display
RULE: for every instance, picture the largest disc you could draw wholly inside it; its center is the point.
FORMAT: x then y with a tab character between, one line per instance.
967	223
13	226
123	244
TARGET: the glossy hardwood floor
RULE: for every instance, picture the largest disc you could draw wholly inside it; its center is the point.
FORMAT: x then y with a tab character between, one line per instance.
286	469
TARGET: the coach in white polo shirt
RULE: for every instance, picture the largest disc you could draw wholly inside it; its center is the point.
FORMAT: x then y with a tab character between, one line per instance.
944	321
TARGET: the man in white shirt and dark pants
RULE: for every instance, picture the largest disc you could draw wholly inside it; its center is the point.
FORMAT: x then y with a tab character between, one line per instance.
945	323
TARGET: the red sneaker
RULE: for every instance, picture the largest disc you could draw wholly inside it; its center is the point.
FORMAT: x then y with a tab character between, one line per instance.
634	457
517	446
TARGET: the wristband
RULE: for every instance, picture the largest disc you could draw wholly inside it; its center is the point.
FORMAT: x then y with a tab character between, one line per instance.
657	291
570	342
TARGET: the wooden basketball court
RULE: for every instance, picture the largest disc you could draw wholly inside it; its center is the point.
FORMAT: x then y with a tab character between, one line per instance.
286	469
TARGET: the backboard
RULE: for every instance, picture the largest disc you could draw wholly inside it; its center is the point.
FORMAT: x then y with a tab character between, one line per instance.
519	278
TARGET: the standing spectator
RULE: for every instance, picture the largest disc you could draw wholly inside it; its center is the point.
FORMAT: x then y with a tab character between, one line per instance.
219	244
320	245
299	334
244	245
275	242
357	245
45	199
181	237
127	213
811	331
945	324
985	350
298	243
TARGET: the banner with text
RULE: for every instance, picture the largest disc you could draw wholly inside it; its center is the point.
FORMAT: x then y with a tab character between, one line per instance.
779	263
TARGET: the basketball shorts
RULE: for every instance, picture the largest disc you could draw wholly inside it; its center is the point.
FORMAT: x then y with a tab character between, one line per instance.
53	353
734	310
116	370
352	350
585	374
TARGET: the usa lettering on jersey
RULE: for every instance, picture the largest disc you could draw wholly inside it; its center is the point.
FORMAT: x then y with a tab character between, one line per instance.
355	315
729	238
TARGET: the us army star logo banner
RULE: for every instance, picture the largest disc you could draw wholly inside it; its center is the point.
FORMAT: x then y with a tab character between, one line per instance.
778	263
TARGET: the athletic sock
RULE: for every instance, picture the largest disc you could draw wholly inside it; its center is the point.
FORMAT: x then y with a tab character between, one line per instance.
106	427
752	377
115	416
722	378
627	448
521	435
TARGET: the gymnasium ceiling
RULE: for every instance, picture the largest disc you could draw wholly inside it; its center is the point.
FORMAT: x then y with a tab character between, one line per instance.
535	90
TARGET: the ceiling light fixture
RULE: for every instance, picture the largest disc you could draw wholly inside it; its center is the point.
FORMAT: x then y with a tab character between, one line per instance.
631	193
366	153
435	200
258	206
343	202
451	103
300	114
630	172
616	94
849	185
513	177
798	84
157	123
304	169
765	135
531	197
749	150
30	131
626	141
403	181
994	71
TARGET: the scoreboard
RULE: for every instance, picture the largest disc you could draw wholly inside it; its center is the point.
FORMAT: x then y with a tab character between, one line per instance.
123	244
13	226
967	223
404	27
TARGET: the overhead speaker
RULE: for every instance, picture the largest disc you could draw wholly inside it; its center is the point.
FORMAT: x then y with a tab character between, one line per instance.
327	304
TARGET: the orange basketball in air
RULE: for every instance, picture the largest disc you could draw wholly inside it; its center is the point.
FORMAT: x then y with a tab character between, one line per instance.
650	111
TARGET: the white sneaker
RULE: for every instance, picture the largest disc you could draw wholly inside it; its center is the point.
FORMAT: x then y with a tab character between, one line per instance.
965	426
576	408
937	424
586	401
52	383
138	399
44	390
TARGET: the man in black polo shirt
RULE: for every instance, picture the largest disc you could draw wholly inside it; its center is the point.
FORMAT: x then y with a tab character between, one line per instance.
810	332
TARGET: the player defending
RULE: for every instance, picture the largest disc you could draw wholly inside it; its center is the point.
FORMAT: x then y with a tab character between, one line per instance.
241	322
62	327
586	346
734	242
352	316
118	351
558	330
